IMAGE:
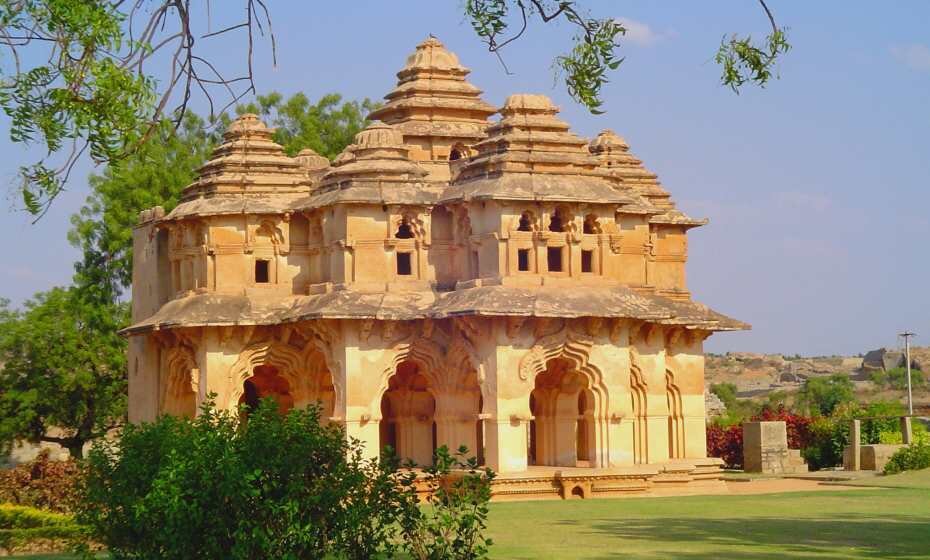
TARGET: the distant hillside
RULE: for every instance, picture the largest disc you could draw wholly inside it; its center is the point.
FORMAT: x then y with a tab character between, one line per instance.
758	374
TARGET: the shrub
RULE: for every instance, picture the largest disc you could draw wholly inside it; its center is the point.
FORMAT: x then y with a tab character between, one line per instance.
23	526
453	525
896	378
915	456
828	437
269	486
727	444
41	483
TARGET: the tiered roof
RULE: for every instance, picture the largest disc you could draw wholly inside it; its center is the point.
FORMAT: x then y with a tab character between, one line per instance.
376	169
433	99
242	174
531	155
614	155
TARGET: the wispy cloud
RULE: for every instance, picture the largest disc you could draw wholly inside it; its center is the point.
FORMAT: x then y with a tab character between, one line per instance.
642	34
915	56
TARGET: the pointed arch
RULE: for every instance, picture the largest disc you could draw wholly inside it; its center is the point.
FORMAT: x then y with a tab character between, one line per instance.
676	421
638	392
307	372
180	393
574	348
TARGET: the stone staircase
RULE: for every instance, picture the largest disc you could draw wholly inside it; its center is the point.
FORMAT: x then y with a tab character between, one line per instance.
795	464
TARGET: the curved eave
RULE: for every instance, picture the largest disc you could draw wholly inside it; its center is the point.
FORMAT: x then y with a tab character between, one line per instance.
360	191
203	310
542	187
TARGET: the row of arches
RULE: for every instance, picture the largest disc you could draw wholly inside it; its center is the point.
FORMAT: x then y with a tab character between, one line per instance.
559	222
568	426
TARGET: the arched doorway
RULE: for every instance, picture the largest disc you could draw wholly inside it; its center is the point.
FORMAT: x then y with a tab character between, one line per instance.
408	410
562	432
266	381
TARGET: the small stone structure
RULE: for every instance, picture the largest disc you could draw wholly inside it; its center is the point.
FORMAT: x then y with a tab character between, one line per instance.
765	449
873	457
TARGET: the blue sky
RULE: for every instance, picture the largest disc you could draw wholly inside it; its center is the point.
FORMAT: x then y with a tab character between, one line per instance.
816	187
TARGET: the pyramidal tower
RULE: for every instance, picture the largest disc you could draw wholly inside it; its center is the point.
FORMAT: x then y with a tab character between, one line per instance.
439	112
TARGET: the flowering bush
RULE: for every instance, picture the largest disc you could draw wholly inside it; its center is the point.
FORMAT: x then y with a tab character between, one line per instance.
41	483
727	444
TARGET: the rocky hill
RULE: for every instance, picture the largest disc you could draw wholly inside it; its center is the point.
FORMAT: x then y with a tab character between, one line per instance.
757	374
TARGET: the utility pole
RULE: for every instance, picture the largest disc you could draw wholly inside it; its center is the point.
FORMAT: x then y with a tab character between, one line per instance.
907	358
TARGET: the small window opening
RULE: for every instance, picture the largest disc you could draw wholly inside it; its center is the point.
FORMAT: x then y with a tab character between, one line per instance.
591	225
404	231
454	155
262	275
555	259
555	222
587	261
474	264
404	267
523	260
526	223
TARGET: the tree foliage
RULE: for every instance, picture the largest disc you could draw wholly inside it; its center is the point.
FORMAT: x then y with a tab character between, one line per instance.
64	367
821	395
593	55
78	79
326	127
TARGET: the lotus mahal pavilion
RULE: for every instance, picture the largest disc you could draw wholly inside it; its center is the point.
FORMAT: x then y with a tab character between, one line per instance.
461	274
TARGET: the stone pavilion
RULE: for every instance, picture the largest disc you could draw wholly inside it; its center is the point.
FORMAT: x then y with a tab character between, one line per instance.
452	278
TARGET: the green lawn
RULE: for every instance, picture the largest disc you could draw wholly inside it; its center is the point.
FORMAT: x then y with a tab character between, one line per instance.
888	518
888	522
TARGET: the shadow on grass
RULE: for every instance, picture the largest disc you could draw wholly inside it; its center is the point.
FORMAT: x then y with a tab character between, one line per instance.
894	536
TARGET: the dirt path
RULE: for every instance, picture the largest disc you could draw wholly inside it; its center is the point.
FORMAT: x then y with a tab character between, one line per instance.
774	485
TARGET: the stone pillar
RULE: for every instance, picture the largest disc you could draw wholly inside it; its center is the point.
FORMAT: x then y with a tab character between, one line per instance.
506	444
566	430
415	439
456	431
852	455
907	430
765	447
366	432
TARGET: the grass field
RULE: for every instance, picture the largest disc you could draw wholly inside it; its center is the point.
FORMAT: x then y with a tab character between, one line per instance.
889	517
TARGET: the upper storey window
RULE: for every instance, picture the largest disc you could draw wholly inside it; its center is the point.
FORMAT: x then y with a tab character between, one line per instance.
262	272
526	222
558	221
404	230
591	224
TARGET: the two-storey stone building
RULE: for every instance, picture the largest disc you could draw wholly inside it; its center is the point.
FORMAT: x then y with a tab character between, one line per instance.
448	280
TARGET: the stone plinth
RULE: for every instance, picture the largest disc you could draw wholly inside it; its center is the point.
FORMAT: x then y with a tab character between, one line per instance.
765	449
